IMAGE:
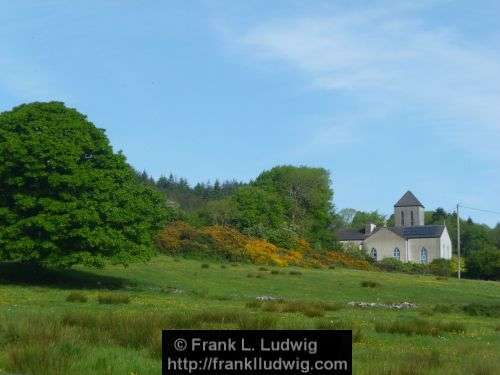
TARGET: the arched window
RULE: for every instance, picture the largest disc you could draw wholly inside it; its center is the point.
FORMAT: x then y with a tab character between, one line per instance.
402	219
423	255
373	253
411	217
397	254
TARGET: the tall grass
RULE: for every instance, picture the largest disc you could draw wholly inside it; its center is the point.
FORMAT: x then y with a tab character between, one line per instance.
481	309
342	324
40	346
418	363
76	297
113	298
419	327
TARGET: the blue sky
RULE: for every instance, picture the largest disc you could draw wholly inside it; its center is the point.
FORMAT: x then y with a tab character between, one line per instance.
387	95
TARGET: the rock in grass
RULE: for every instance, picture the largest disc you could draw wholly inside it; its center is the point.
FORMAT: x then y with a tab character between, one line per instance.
396	306
268	298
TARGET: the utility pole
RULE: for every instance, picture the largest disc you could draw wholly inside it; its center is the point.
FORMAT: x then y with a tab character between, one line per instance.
458	239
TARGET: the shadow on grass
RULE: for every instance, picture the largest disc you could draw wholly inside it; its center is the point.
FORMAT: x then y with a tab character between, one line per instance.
30	274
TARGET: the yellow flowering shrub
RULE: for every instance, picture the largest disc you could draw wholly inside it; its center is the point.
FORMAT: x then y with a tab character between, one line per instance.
338	258
263	252
228	243
172	239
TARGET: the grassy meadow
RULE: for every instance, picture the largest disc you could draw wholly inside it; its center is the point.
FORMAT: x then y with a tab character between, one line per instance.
108	321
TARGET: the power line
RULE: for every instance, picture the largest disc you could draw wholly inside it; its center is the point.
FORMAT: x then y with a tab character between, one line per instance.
482	210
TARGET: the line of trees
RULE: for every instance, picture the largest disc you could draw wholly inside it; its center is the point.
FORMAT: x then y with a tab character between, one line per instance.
281	205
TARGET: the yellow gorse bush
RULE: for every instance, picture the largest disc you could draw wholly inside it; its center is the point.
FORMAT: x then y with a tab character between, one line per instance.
228	243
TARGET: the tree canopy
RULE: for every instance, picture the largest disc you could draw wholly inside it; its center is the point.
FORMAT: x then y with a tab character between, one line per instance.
306	195
362	218
65	197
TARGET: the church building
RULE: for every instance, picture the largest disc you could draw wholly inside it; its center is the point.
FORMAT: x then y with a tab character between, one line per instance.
410	240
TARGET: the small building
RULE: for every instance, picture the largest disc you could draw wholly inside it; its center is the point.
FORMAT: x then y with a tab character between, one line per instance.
410	240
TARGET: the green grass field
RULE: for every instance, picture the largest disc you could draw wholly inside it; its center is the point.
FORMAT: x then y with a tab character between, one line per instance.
111	322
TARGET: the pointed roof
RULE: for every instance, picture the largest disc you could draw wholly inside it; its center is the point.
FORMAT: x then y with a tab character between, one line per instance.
408	200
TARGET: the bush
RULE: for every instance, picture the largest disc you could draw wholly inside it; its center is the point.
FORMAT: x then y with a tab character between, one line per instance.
441	267
205	265
355	252
76	297
416	268
484	264
113	299
223	243
338	258
395	265
370	284
261	251
391	265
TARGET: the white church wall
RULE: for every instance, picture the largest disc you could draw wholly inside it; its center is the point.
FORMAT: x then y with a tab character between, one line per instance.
432	245
385	241
445	243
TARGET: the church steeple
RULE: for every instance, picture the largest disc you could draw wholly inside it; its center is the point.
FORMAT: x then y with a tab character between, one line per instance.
408	211
408	200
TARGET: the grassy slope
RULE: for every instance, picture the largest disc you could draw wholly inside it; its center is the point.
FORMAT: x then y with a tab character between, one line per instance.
215	288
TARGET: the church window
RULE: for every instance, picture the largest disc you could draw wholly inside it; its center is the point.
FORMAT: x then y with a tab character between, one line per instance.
373	253
402	219
423	255
397	254
411	217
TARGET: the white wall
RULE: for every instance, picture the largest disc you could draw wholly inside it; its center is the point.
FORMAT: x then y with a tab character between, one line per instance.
432	245
385	241
445	243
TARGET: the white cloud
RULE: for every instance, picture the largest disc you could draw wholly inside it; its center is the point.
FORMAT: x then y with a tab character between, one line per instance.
392	59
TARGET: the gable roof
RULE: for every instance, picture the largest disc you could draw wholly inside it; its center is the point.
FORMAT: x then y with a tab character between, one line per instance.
347	234
419	231
408	200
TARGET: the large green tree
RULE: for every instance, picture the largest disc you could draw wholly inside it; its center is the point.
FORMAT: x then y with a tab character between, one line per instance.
362	218
65	197
256	207
484	264
306	196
